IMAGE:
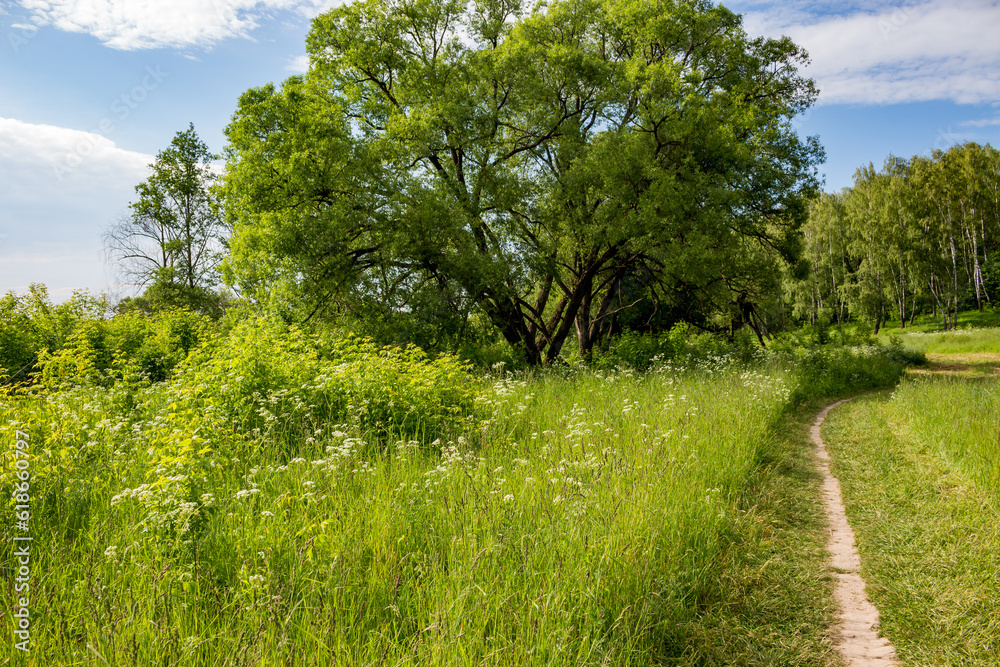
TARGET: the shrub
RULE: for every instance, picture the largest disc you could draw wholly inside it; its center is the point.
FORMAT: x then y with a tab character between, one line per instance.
104	351
74	343
643	351
833	371
261	374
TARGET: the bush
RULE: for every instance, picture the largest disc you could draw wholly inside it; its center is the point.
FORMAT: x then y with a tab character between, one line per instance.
74	343
642	352
31	325
269	385
261	374
103	351
634	350
835	371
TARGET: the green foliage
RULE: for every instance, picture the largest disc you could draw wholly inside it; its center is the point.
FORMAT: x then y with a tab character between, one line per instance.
683	344
853	335
74	342
105	350
176	500
529	165
634	350
837	371
78	361
167	293
258	371
155	345
920	235
31	327
955	341
20	338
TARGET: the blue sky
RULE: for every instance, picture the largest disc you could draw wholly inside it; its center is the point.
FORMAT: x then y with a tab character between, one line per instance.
90	90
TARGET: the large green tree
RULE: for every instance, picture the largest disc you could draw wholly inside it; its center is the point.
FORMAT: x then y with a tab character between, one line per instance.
524	162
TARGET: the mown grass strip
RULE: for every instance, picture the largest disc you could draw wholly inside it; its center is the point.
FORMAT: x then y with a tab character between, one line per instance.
929	537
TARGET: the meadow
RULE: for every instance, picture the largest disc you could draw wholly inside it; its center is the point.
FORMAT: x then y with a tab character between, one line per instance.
958	341
282	498
920	470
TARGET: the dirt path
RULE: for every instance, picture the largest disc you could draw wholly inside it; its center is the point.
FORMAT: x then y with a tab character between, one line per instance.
858	642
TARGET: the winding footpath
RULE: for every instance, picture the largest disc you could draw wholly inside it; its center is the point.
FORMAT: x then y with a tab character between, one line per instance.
858	641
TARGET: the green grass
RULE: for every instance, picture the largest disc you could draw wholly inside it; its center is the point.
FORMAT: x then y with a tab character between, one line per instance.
582	523
774	604
283	502
955	420
977	332
959	341
916	469
989	318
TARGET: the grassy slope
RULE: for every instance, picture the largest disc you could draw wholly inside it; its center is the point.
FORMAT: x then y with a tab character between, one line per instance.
929	537
930	324
977	333
599	521
962	341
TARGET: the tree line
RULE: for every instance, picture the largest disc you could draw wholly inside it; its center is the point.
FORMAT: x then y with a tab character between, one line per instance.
456	174
920	235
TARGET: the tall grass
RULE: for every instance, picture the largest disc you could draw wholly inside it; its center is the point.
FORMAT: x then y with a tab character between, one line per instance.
280	501
576	521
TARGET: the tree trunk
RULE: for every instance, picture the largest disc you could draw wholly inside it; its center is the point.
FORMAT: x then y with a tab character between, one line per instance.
597	328
583	337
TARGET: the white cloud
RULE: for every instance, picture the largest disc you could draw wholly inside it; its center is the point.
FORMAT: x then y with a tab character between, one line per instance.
142	24
62	188
44	160
984	122
878	54
298	65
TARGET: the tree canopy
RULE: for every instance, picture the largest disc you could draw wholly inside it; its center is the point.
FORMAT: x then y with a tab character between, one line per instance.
545	166
170	241
921	234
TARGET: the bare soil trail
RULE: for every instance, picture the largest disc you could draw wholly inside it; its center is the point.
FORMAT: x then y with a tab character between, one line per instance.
858	640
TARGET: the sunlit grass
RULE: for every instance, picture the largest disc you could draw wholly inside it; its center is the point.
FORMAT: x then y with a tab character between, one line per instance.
919	474
577	524
959	341
958	420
